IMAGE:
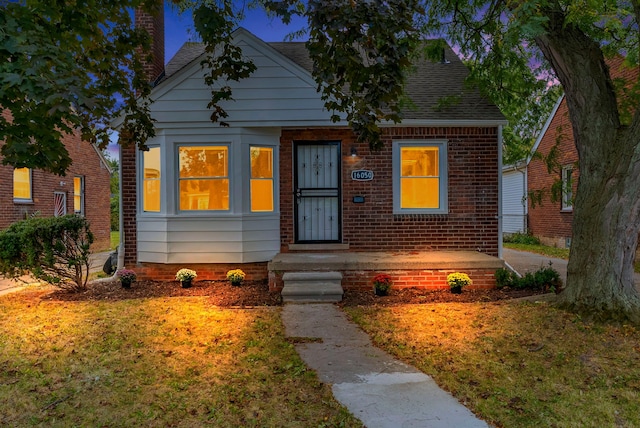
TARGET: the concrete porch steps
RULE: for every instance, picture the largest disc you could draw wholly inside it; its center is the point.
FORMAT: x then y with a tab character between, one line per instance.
312	287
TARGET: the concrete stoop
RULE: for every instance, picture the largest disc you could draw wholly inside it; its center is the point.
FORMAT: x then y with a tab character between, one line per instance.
312	287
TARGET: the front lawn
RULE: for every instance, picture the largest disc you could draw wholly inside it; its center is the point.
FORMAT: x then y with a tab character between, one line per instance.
159	362
517	364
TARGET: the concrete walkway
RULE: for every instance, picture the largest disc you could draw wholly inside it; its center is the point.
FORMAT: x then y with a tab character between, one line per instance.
377	389
96	262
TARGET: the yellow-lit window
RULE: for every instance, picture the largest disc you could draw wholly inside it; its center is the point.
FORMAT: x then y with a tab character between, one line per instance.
22	183
151	180
419	178
78	195
261	179
204	178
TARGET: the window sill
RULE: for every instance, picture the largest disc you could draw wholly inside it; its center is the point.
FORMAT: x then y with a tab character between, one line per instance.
23	201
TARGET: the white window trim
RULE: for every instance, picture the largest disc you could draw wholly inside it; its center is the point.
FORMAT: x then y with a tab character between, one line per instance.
274	154
13	183
230	176
142	183
444	176
566	203
82	188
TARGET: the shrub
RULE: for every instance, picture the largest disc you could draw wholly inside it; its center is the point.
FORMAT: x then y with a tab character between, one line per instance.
236	275
382	282
185	274
506	278
521	238
126	275
52	249
546	279
458	279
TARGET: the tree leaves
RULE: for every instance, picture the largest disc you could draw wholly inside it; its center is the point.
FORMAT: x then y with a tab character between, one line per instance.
68	68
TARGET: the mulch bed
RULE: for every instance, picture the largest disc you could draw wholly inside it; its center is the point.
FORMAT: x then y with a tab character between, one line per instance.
256	293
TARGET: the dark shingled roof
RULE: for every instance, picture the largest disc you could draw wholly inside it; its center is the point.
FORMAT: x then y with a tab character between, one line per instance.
429	84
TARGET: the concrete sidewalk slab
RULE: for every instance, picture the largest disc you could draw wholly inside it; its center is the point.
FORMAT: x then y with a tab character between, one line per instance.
376	388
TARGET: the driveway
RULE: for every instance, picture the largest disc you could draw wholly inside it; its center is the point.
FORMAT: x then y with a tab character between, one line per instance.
523	262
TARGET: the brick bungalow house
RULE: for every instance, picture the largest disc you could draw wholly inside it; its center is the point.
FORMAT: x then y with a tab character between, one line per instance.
85	190
549	218
283	179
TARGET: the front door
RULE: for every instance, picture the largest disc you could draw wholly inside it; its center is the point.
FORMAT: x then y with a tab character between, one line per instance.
317	192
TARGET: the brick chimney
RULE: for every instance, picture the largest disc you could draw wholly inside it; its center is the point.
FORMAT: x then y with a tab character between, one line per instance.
153	22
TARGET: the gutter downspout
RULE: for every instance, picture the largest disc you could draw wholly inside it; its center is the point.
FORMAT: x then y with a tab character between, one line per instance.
500	192
120	264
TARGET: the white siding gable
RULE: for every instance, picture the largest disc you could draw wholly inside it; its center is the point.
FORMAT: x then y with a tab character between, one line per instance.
278	93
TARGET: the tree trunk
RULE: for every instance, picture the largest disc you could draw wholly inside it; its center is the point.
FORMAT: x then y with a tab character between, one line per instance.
600	275
600	278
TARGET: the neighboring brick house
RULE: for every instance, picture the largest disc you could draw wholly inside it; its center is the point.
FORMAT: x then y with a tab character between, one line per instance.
283	178
85	189
550	213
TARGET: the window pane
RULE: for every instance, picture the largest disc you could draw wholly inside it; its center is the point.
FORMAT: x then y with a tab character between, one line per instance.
419	161
77	195
261	162
22	183
419	181
151	181
567	188
419	193
261	179
203	162
210	194
204	182
261	195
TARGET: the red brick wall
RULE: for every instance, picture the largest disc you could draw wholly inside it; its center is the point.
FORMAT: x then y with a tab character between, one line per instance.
87	163
429	279
167	272
473	193
154	24
128	199
546	218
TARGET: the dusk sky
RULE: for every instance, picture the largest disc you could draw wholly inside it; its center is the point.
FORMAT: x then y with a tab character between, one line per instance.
179	28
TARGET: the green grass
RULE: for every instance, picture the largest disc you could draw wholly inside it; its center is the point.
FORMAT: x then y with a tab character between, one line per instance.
560	253
160	362
115	239
518	365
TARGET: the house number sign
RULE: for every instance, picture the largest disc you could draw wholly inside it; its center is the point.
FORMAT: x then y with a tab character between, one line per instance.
362	175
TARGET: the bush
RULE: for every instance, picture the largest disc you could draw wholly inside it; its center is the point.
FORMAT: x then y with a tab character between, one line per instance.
545	279
506	278
521	238
52	249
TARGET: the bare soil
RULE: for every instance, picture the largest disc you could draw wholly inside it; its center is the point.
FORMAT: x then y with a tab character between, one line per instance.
256	293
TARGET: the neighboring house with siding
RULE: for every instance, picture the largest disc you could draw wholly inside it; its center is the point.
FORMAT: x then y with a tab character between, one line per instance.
514	198
283	178
84	190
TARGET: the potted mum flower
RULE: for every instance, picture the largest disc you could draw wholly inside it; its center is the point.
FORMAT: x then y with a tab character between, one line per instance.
185	276
457	281
382	284
235	276
126	277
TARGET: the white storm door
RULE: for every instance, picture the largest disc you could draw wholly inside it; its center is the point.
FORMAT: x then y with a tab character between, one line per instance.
317	192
